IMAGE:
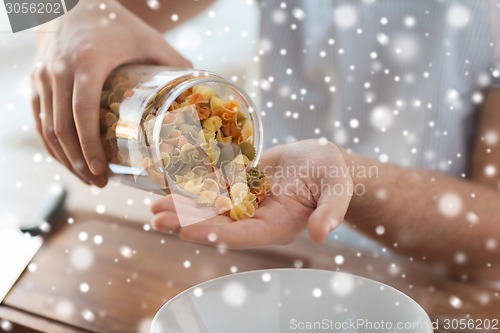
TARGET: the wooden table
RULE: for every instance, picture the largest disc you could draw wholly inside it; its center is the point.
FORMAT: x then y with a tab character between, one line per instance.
107	274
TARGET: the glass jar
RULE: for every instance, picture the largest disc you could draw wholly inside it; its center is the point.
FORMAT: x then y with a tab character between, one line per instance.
184	132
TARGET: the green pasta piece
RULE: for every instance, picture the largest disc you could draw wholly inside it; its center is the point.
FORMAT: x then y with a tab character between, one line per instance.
248	150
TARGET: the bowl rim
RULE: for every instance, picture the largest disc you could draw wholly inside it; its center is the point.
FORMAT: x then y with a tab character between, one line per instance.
270	270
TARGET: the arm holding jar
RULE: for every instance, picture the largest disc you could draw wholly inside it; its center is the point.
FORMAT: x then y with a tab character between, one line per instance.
72	64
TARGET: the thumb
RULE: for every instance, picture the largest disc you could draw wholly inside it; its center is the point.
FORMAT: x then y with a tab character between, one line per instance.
331	208
165	54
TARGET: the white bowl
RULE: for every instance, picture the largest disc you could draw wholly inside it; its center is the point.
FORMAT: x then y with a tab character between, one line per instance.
291	300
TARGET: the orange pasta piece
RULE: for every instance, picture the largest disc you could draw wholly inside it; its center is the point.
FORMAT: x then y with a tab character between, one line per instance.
184	95
173	106
260	194
232	105
203	112
196	98
128	93
231	130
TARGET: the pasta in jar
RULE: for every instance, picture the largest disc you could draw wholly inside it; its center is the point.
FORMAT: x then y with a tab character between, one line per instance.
187	138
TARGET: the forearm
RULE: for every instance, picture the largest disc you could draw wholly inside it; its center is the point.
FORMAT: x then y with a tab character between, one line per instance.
160	17
426	215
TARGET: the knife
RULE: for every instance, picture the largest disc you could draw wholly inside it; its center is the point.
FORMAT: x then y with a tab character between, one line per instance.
18	246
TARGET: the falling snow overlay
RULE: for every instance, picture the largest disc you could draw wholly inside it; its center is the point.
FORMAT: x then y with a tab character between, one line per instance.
401	84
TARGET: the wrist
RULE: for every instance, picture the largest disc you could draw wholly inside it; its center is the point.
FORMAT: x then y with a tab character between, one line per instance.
364	173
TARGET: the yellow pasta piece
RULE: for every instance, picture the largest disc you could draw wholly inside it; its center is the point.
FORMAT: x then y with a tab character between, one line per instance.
208	134
110	119
190	155
165	159
199	171
223	204
206	91
239	191
211	185
216	103
242	211
115	107
251	198
213	152
209	192
194	186
213	123
246	131
206	198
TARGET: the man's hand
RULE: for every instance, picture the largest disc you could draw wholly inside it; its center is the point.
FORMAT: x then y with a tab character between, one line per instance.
70	69
311	187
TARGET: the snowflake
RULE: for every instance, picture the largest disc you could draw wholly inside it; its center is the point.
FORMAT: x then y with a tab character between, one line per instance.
380	230
455	302
458	16
198	292
490	170
84	287
317	292
298	13
153	4
450	205
81	258
234	294
64	308
410	21
345	16
339	259
381	118
342	284
278	17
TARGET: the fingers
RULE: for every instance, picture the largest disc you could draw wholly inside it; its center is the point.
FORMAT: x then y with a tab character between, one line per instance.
165	203
87	88
331	209
47	119
36	109
167	222
64	127
165	218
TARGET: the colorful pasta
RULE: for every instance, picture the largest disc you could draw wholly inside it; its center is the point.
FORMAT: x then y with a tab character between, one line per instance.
206	146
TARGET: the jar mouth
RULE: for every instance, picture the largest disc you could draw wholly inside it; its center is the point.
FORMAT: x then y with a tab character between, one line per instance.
203	77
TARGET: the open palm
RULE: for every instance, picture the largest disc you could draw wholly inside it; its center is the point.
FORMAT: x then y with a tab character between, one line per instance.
302	196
